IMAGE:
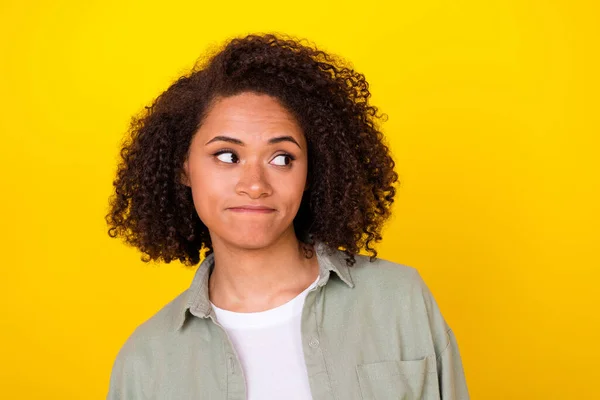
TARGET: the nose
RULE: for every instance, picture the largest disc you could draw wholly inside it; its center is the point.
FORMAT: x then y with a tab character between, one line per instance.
253	180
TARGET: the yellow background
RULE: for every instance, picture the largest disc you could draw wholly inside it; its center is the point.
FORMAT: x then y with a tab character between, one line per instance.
493	120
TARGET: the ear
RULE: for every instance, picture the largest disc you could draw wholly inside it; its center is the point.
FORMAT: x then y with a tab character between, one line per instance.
185	175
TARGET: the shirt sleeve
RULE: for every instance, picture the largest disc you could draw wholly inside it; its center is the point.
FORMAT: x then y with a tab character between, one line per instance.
451	375
125	378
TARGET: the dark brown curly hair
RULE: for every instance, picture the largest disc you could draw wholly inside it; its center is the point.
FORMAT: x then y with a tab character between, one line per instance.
351	171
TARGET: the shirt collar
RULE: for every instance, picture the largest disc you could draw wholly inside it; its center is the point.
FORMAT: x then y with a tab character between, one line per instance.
198	302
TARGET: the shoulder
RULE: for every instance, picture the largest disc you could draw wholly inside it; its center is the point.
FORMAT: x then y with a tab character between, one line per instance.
391	277
164	321
140	355
384	274
392	284
153	332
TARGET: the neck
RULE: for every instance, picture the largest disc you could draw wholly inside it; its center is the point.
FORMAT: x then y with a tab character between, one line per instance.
252	280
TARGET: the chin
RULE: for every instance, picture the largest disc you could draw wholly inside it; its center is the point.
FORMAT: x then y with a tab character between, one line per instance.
250	241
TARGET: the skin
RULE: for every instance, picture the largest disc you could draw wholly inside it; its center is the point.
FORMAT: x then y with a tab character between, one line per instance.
250	150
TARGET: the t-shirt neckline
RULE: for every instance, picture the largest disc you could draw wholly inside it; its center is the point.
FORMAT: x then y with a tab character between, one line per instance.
274	316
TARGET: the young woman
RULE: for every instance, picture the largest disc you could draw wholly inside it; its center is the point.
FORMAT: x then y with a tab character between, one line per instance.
266	158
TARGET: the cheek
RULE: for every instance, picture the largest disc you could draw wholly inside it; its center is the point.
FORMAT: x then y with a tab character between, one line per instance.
292	187
208	191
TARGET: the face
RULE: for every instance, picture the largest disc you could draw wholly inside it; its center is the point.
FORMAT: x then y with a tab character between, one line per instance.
247	167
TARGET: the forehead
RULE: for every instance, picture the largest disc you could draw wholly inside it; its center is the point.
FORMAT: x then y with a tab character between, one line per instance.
250	114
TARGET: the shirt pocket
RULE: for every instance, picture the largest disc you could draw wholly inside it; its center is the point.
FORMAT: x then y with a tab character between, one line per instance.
398	380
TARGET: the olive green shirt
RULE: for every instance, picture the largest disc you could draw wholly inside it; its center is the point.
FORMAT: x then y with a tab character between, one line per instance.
370	331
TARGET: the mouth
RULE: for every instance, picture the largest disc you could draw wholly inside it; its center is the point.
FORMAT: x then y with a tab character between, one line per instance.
252	209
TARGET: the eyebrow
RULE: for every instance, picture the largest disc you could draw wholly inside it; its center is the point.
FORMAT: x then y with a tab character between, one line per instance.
274	140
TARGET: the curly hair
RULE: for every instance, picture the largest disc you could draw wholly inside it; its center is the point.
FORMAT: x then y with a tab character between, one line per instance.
351	171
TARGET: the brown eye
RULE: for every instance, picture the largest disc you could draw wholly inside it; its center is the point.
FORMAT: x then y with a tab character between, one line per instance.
227	157
283	160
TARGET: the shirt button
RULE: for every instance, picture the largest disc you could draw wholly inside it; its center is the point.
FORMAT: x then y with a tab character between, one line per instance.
314	343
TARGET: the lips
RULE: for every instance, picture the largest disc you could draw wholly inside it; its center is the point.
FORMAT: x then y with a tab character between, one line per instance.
252	208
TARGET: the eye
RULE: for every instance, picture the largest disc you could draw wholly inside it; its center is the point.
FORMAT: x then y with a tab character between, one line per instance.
283	159
228	157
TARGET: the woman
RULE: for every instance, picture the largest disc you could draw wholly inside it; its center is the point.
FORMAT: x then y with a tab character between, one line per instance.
267	158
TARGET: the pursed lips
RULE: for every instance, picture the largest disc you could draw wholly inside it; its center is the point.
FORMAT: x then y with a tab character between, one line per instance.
252	209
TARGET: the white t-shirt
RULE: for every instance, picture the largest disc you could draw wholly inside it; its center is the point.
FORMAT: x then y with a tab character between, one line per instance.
269	346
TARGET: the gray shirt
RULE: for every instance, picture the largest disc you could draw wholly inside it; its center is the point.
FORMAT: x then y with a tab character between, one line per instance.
370	331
